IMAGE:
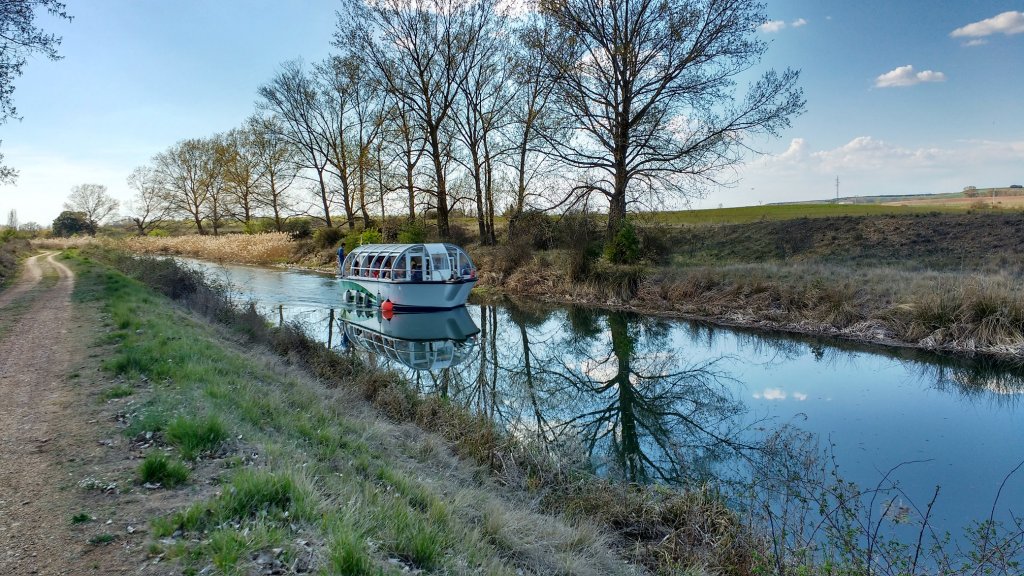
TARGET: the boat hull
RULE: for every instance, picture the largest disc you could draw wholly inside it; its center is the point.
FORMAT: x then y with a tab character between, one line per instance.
406	296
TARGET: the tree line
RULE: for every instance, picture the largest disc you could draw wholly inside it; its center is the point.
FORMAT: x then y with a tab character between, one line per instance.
431	106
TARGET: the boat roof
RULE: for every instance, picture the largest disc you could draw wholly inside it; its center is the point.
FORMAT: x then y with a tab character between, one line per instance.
431	248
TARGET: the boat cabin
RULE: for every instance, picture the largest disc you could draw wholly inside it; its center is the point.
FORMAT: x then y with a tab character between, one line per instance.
437	262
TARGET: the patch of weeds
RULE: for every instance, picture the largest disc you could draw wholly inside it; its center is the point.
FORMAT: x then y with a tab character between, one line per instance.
226	548
195	437
102	539
251	494
157	468
349	552
152	419
119	391
82	518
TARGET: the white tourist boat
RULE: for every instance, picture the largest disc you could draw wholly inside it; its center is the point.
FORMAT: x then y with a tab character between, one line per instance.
407	277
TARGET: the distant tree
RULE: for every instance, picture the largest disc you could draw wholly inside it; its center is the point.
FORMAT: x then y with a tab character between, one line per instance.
31	228
93	201
12	220
278	166
182	175
19	39
294	98
70	223
647	88
148	209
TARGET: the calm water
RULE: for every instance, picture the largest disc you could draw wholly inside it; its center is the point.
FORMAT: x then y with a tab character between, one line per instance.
656	400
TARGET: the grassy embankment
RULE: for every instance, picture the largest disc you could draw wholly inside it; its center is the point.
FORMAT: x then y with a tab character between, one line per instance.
937	281
273	465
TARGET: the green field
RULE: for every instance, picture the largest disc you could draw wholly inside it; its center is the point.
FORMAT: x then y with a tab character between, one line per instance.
745	214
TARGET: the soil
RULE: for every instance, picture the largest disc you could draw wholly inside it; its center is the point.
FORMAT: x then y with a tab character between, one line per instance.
57	457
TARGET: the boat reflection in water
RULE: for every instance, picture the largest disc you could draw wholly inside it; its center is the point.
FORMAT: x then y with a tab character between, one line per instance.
421	341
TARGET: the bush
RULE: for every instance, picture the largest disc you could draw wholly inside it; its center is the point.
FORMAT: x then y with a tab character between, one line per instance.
412	232
533	227
298	228
624	247
328	237
354	240
71	223
578	234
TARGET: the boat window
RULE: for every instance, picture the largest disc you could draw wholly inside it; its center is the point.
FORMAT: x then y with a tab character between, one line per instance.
440	262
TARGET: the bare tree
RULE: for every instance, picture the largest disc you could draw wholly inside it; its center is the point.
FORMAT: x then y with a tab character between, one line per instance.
294	98
93	201
278	166
647	87
242	172
182	179
422	51
19	39
337	89
485	97
12	219
149	208
530	155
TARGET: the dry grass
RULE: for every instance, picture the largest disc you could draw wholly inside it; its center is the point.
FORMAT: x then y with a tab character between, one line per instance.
268	248
949	311
72	242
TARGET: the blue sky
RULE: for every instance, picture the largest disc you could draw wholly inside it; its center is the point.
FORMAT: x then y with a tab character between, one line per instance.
137	76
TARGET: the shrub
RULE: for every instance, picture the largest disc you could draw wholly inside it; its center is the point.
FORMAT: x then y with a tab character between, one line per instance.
412	232
624	247
298	228
328	237
157	468
534	227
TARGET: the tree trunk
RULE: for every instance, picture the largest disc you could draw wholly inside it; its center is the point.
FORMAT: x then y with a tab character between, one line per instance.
442	191
323	198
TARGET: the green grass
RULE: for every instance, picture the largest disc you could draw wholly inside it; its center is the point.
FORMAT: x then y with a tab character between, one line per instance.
744	214
157	468
195	436
318	470
82	518
115	392
102	539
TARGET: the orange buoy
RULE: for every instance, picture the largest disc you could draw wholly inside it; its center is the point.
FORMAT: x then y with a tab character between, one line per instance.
387	309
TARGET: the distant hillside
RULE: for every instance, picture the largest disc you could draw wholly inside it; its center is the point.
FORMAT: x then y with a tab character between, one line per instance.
910	199
936	240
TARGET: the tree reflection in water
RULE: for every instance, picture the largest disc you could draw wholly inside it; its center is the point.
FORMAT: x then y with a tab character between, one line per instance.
609	384
642	412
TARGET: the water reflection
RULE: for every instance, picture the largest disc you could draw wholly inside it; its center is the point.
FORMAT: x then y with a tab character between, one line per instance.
644	412
426	341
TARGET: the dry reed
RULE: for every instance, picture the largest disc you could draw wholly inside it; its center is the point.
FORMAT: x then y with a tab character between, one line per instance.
268	248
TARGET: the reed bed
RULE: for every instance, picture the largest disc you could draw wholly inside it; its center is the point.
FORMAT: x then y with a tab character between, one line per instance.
266	248
948	311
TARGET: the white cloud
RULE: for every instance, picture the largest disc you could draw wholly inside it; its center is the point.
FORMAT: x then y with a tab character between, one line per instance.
1007	23
799	396
773	26
771	394
975	42
905	76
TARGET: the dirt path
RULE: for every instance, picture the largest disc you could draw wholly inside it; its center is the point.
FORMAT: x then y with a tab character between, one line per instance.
32	275
34	361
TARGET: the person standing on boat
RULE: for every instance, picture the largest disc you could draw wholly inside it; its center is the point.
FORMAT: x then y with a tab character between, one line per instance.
341	258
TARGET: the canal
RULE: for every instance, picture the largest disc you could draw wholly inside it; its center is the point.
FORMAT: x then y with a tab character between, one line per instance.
654	400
